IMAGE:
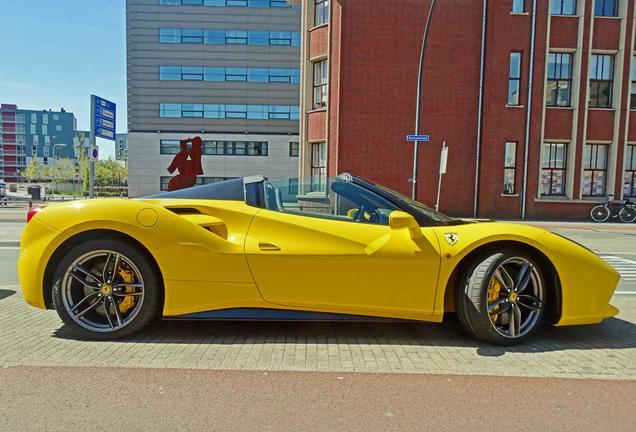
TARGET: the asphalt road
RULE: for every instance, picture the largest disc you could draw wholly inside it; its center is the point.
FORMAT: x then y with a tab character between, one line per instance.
168	400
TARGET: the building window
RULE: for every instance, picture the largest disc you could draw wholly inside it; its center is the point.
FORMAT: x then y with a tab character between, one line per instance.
34	118
292	186
510	168
235	3
220	148
220	74
595	169
58	128
559	86
169	146
56	116
601	80
320	84
632	101
294	149
629	181
518	6
318	166
321	12
45	129
45	118
230	37
220	111
563	7
238	37
606	8
553	169
514	79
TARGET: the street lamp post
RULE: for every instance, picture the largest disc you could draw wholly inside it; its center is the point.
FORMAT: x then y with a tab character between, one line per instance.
418	104
57	145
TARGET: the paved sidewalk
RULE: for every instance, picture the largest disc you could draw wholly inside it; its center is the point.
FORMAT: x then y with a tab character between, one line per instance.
29	336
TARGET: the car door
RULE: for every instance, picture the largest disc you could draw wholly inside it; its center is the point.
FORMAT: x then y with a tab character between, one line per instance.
338	262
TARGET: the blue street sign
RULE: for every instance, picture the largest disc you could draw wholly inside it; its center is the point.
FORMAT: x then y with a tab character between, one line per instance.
105	118
424	138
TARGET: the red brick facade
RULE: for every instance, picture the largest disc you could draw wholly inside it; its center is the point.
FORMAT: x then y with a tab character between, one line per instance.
373	51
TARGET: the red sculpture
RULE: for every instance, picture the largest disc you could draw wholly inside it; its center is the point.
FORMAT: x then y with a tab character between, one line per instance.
188	163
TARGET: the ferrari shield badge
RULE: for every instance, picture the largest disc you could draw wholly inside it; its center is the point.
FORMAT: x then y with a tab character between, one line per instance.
451	238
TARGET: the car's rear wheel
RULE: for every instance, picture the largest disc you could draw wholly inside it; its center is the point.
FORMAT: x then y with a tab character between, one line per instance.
501	298
106	289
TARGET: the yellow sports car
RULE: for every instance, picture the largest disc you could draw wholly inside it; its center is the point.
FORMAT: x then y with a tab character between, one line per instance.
325	249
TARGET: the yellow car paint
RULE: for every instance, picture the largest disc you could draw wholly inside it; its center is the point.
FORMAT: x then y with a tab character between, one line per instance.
225	254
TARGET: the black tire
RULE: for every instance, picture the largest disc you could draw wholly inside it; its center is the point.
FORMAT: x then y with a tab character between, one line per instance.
472	298
146	310
600	213
627	214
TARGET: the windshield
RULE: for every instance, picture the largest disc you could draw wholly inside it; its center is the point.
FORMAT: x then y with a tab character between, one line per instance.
416	205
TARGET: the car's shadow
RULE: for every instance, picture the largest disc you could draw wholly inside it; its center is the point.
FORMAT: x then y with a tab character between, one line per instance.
5	293
611	334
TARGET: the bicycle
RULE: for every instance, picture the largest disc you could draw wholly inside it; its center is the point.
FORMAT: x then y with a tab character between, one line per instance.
625	211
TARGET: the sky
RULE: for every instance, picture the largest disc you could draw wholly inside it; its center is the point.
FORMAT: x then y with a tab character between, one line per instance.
57	53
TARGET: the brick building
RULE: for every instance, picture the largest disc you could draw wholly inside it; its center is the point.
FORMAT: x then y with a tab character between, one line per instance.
551	130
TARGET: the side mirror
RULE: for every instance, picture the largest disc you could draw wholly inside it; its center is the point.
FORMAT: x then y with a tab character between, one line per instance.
401	220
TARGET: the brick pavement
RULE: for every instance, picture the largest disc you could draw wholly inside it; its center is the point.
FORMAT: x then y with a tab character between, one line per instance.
29	336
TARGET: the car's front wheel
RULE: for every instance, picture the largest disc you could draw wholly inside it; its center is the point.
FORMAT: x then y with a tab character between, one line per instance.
501	298
106	289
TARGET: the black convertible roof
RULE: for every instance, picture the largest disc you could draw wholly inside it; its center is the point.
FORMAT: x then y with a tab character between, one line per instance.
230	190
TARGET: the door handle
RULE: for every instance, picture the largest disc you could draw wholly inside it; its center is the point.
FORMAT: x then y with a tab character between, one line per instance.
268	247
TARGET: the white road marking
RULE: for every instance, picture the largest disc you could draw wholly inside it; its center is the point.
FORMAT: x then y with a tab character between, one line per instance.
626	268
9	248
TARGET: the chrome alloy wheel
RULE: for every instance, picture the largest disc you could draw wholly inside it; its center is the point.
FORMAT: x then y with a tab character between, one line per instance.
102	291
515	297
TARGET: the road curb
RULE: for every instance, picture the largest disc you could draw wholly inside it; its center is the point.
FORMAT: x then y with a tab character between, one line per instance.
10	243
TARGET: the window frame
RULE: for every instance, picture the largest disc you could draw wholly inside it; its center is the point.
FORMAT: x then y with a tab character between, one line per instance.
510	167
593	168
515	6
515	78
553	167
558	79
561	8
294	149
596	82
320	84
321	12
632	93
318	166
604	3
629	175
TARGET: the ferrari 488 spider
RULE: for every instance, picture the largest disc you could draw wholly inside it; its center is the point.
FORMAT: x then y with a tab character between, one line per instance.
337	249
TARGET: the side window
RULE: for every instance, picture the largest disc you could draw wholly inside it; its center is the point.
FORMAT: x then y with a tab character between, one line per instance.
343	200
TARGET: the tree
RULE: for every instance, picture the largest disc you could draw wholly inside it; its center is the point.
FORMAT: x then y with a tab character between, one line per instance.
33	171
64	170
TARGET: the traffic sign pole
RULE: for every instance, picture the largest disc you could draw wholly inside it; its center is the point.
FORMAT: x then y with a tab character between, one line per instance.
103	125
91	146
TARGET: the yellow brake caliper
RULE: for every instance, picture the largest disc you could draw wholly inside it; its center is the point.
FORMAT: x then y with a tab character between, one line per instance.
128	276
493	295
